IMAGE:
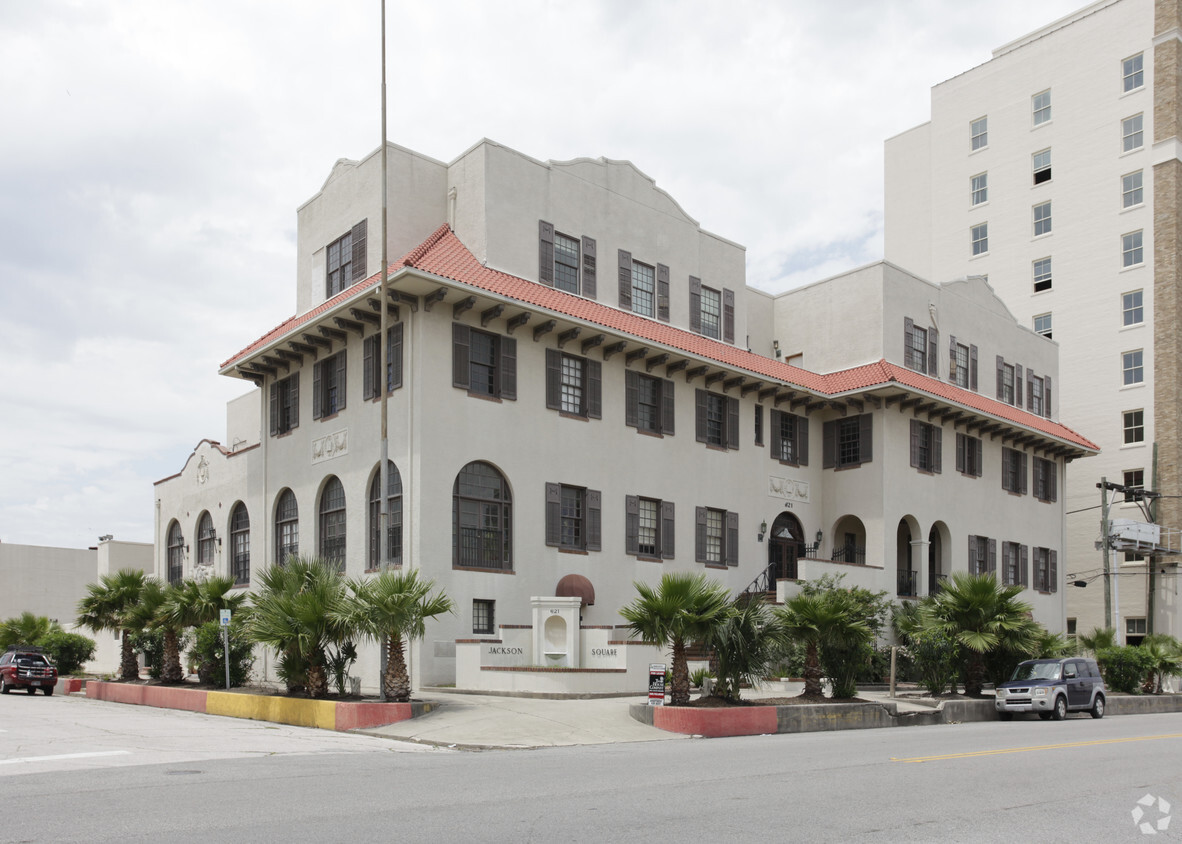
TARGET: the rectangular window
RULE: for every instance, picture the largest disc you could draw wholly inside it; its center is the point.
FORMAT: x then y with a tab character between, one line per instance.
285	405
1042	219
1046	475
372	364
1006	393
1042	275
1133	72
1134	480
1132	366
715	522
1041	106
649	527
566	263
979	133
759	424
1133	424
484	364
483	616
1011	571
339	265
980	239
1132	251
1131	190
968	455
643	289
790	438
980	188
648	403
1132	311
1132	132
573	517
1013	471
1034	401
979	557
328	386
959	365
1135	627
1042	325
1046	570
925	446
571	378
848	442
572	531
717	419
915	349
711	313
1041	165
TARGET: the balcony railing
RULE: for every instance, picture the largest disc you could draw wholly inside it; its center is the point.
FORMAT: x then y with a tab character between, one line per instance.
482	548
936	583
907	584
849	554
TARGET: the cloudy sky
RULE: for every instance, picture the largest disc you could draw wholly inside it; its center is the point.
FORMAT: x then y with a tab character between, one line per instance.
153	153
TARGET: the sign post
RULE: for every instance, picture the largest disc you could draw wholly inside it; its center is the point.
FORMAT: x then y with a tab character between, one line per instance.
224	617
656	684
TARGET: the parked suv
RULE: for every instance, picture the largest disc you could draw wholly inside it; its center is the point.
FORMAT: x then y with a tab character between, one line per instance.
1052	688
26	667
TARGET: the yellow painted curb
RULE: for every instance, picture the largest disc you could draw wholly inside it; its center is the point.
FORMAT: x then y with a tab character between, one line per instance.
299	713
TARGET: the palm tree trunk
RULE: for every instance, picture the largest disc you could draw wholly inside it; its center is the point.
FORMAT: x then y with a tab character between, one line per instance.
129	666
317	681
679	686
974	674
171	671
397	681
812	672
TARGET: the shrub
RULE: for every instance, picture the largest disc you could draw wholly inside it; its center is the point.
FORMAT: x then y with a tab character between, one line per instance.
209	652
699	676
936	658
1124	668
67	650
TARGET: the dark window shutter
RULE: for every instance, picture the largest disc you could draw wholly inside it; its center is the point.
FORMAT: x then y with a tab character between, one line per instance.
695	304
1001	378
728	316
295	401
553	514
342	393
908	328
973	368
631	524
960	444
1052	480
594	519
759	424
546	253
667	530
1030	390
662	293
589	287
594	371
317	390
951	358
369	350
631	399
1039	492
973	565
1024	566
359	252
274	408
461	339
937	449
553	379
829	445
732	539
915	432
775	425
1054	566
700	402
1022	472
1017	386
732	422
667	407
625	266
865	438
1046	397
508	367
802	440
992	556
933	352
394	356
700	534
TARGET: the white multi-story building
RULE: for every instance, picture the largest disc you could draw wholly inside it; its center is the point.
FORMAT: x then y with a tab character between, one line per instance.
563	427
1053	170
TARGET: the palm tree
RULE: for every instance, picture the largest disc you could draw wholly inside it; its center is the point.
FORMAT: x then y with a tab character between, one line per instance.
297	612
684	608
748	640
1097	640
192	604
388	608
145	615
982	616
830	618
109	605
1165	658
27	629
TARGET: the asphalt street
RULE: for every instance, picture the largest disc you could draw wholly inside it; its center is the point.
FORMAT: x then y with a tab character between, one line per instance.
176	776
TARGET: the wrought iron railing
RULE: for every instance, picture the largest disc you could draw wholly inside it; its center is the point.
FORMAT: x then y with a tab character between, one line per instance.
482	548
936	583
849	554
908	587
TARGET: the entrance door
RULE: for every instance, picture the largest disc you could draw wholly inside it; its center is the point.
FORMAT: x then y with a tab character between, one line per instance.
784	547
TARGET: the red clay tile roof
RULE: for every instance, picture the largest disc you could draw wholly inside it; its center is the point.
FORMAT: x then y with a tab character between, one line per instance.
442	254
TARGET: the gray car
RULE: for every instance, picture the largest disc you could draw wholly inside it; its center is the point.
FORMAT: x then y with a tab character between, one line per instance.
1052	688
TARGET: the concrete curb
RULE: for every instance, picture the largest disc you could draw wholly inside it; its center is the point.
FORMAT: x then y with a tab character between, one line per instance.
323	714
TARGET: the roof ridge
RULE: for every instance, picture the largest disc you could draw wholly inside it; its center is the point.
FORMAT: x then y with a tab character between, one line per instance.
413	257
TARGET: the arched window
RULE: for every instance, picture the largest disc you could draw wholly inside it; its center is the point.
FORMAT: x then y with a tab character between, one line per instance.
205	539
287	527
482	525
393	526
176	553
240	545
332	523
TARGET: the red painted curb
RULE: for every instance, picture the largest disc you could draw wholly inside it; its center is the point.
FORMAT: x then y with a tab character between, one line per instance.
352	716
716	723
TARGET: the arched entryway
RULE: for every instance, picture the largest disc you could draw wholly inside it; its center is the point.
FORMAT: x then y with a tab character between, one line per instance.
849	541
939	548
908	582
785	545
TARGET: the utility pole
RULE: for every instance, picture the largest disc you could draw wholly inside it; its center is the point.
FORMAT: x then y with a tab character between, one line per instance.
1151	512
384	376
1107	560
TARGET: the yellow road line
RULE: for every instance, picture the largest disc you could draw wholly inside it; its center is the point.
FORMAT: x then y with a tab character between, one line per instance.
1028	749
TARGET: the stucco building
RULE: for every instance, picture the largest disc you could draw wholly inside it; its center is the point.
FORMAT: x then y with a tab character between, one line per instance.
564	426
1053	170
